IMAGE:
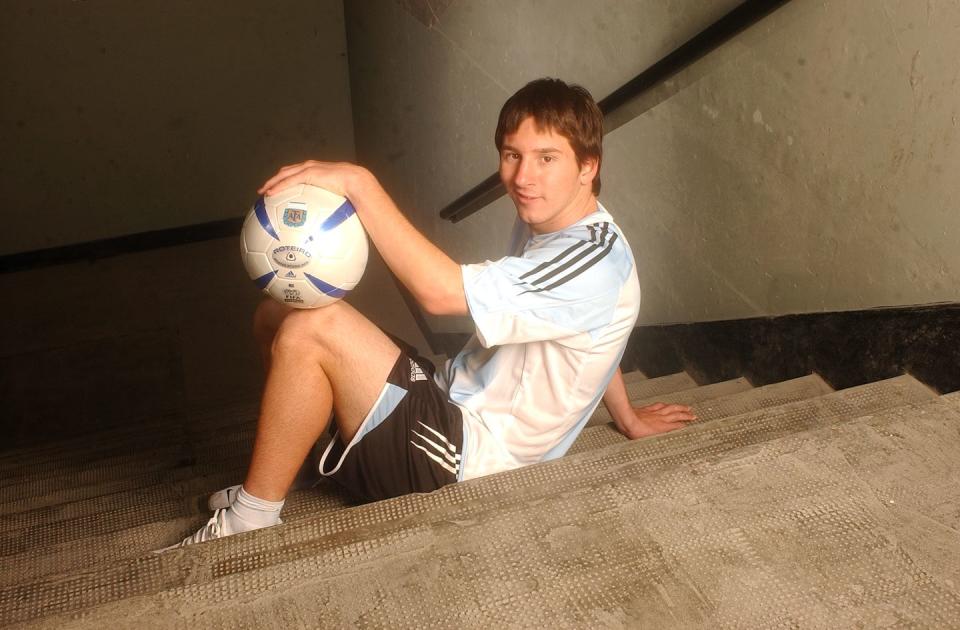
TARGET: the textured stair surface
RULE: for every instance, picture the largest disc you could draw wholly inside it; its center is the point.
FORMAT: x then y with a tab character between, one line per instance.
707	407
846	524
660	385
174	466
246	557
633	377
67	507
120	525
105	456
79	469
46	476
683	396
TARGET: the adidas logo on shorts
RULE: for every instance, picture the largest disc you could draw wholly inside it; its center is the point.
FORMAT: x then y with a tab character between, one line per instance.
416	374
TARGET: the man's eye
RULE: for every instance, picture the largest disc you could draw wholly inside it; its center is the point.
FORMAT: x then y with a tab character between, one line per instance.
548	158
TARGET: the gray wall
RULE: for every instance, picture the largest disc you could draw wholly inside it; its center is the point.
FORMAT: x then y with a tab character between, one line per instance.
809	169
121	117
805	166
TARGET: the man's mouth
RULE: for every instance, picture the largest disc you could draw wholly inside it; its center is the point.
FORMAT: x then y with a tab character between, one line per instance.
524	196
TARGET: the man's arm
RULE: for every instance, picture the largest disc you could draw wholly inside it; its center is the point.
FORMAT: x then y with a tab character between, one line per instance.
432	277
636	422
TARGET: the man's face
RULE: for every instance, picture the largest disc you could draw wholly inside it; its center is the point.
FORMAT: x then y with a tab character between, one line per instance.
540	171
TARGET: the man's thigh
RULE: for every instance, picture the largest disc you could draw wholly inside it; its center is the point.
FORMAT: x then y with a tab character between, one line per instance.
357	358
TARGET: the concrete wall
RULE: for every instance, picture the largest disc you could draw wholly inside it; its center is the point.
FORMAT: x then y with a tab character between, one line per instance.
804	166
808	170
122	117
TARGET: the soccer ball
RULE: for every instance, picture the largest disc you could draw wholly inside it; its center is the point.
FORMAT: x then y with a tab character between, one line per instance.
304	247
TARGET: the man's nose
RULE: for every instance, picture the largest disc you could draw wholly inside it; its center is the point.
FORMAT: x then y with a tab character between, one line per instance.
523	174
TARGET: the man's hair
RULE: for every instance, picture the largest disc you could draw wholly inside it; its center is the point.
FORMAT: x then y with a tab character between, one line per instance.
568	110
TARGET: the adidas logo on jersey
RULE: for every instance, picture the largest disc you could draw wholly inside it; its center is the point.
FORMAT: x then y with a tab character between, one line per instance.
416	374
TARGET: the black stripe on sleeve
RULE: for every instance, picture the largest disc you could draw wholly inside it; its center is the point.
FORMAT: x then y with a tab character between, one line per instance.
557	259
576	272
596	239
573	261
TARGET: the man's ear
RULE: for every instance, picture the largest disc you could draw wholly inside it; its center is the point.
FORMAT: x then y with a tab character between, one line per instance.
588	170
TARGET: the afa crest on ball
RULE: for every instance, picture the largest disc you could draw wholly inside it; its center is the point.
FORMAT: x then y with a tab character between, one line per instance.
304	247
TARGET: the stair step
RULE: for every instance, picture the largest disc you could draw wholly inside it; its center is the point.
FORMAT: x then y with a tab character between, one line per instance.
72	474
812	492
348	529
122	534
186	493
81	451
80	476
682	397
664	547
661	385
706	409
102	522
123	482
53	494
62	483
114	454
634	376
83	477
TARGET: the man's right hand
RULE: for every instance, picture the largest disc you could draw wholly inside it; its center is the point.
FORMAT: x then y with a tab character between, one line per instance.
340	178
432	277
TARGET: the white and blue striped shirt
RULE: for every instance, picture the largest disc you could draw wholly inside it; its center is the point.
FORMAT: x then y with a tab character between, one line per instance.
552	321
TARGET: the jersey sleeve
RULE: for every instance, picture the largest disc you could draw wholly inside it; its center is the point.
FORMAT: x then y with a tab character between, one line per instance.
559	289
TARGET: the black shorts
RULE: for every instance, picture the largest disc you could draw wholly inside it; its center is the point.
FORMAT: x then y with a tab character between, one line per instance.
411	441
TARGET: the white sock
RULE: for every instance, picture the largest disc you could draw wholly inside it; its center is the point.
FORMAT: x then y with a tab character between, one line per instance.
249	512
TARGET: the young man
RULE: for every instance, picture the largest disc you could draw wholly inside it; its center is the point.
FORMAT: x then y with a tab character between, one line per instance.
552	320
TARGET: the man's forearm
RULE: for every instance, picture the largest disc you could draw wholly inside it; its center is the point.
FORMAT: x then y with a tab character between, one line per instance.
432	277
616	401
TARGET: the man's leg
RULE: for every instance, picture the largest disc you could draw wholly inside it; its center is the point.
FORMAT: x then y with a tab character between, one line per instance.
318	361
331	358
266	321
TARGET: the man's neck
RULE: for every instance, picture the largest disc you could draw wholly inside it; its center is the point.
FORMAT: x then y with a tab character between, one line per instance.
586	207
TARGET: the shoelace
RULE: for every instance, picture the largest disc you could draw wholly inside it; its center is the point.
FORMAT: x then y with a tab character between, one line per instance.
209	531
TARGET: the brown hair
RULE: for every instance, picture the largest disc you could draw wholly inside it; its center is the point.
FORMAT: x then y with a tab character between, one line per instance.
568	110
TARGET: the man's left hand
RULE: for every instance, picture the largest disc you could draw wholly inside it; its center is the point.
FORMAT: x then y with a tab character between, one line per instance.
656	418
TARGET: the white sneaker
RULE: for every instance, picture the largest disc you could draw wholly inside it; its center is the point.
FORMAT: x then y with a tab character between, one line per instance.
222	499
215	528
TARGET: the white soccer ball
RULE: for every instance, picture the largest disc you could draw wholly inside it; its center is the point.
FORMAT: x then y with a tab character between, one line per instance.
304	247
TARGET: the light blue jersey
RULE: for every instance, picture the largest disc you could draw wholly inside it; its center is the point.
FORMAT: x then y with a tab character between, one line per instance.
552	321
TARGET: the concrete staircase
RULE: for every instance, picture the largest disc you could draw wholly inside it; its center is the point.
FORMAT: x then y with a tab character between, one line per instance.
788	505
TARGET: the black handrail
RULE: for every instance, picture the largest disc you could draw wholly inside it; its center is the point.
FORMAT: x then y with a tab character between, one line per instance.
742	17
119	245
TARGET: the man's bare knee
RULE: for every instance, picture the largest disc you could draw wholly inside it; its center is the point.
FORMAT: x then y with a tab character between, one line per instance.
338	336
307	330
